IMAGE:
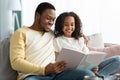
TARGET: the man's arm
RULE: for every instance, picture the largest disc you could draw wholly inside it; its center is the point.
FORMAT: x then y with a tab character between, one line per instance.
17	55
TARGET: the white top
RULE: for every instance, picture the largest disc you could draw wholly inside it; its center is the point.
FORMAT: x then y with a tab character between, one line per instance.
70	43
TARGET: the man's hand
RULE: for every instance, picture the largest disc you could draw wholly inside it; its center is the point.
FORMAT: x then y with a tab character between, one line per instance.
55	68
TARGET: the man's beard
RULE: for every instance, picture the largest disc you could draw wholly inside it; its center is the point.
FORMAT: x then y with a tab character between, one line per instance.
43	29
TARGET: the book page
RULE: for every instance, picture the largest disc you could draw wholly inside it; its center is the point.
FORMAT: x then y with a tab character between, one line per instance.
72	57
80	60
92	60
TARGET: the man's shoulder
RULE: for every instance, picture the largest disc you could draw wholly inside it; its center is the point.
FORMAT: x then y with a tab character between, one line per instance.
20	32
22	29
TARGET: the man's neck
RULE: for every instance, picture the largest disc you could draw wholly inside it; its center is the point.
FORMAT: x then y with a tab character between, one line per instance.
34	27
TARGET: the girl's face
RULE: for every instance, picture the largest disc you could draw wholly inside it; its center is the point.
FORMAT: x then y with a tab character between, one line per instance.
68	26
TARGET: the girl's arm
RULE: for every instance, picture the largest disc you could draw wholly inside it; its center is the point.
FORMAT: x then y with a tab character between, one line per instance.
56	55
85	38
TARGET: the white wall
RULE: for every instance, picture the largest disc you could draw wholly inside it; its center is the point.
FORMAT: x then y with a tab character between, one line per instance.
110	20
98	16
5	20
29	7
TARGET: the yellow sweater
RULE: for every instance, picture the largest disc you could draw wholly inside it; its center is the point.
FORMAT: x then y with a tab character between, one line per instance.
31	51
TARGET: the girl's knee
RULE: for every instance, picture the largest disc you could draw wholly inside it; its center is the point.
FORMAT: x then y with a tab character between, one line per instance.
87	72
116	58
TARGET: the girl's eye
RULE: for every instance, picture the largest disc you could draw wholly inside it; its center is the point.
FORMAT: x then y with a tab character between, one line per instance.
72	24
66	25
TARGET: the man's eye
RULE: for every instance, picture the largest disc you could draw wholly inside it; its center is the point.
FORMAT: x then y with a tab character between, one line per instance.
48	18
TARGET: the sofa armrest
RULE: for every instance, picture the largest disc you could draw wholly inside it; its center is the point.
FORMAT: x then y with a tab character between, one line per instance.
108	44
6	71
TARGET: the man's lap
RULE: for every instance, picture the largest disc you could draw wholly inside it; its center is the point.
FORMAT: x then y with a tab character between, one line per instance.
65	75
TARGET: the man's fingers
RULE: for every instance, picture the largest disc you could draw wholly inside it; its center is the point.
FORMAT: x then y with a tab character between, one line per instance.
59	66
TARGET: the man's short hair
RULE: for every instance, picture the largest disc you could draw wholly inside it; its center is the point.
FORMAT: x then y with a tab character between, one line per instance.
43	6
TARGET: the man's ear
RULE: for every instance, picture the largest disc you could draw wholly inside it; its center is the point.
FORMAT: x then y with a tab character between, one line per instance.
37	15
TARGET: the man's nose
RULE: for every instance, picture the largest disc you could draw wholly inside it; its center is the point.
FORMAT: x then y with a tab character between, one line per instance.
51	22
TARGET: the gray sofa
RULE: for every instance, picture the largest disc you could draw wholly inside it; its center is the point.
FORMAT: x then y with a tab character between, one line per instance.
6	72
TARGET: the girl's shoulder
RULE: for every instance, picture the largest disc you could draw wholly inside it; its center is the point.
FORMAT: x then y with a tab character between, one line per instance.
58	38
81	38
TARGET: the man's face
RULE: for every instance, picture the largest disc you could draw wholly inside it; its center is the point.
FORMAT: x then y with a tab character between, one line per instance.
46	20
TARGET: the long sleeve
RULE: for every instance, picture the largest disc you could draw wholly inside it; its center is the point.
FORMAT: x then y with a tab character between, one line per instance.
17	55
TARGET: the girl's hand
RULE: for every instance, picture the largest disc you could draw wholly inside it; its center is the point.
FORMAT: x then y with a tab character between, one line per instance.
95	69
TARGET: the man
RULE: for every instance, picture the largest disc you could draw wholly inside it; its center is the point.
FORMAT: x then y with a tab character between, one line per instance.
32	52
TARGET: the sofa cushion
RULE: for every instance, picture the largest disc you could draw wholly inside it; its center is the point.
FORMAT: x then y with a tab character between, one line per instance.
112	50
95	40
6	72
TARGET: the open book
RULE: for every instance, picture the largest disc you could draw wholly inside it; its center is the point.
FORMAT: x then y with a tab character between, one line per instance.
80	60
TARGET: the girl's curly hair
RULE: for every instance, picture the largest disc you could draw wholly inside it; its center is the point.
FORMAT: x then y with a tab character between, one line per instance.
59	25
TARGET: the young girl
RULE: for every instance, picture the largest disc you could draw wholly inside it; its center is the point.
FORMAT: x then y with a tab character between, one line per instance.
68	34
